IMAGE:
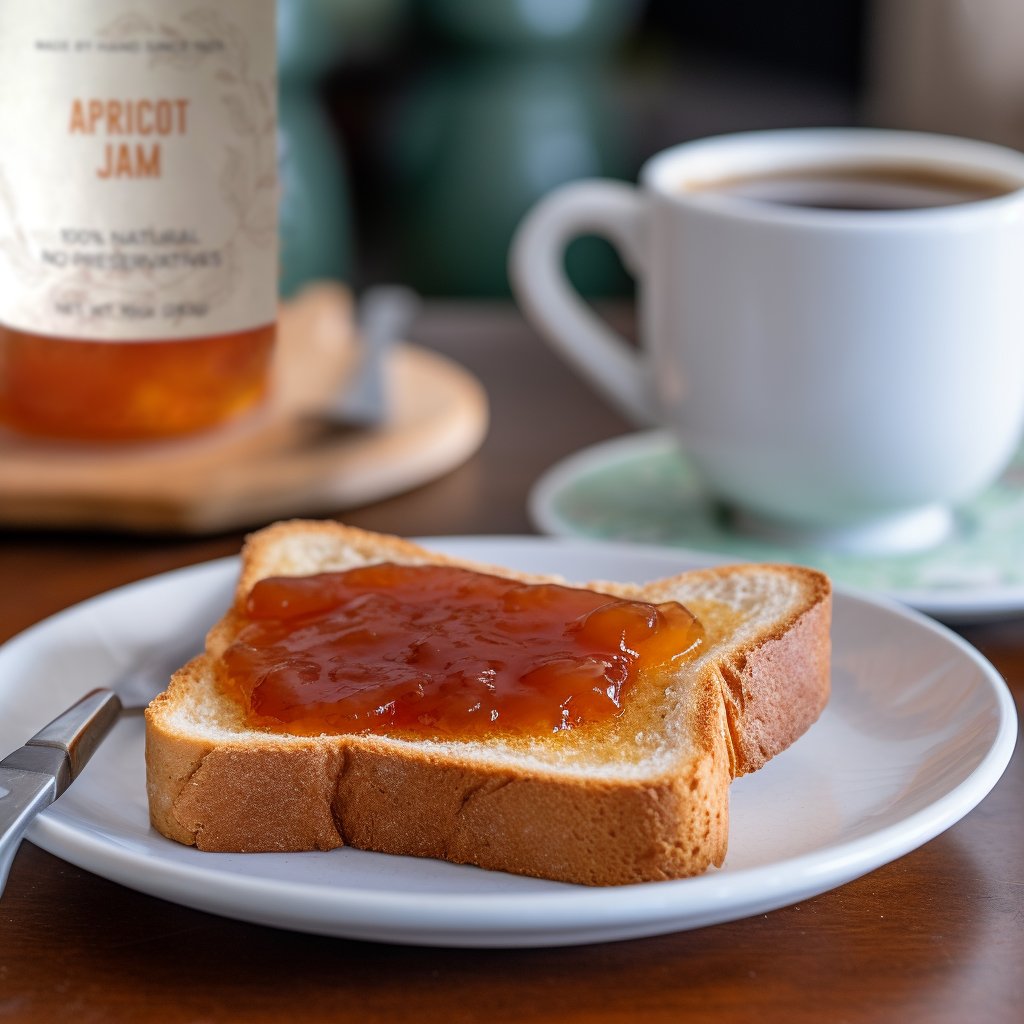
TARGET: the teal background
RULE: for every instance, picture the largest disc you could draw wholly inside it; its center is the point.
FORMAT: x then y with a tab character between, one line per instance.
415	134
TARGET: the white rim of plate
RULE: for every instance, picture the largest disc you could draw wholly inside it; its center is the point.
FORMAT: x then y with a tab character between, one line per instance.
473	919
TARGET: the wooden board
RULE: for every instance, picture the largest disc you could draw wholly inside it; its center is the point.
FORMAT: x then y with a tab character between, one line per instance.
279	461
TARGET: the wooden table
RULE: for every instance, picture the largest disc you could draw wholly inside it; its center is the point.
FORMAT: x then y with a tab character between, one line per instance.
936	936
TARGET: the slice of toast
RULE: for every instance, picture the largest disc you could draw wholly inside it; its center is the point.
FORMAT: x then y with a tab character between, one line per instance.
640	798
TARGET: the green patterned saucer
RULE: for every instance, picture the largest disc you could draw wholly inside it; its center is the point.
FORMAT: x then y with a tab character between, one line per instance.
642	488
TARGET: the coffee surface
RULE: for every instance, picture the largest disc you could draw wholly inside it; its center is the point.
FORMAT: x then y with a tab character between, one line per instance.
861	187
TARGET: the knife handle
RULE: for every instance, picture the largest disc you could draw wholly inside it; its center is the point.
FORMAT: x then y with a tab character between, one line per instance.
33	776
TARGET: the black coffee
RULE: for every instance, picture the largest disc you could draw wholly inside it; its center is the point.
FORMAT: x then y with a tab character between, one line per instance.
863	187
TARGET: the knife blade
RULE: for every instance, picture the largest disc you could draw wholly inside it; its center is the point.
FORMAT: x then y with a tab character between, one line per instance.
36	774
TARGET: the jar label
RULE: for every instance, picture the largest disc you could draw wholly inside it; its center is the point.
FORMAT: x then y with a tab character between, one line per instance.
138	172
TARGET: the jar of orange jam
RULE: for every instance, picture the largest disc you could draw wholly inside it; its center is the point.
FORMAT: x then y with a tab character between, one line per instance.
138	215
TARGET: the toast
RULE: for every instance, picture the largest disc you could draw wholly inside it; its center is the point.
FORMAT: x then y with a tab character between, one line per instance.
640	798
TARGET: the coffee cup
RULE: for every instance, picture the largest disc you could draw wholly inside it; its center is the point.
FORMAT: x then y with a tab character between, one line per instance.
831	321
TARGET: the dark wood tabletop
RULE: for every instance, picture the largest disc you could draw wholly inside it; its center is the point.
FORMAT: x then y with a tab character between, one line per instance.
938	935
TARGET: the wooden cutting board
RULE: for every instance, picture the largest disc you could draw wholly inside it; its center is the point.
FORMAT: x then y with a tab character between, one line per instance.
280	461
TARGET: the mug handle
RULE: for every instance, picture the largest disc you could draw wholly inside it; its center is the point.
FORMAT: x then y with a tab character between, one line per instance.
616	211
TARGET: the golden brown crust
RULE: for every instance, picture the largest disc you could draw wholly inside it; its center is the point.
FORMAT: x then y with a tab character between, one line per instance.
570	829
272	792
324	792
775	692
775	686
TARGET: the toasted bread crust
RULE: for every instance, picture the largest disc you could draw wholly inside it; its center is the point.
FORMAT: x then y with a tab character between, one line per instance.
775	686
294	794
264	791
774	693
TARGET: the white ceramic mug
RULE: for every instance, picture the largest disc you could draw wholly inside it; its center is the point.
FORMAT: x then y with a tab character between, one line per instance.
846	375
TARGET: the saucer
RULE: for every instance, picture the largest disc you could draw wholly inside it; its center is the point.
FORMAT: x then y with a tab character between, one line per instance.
642	488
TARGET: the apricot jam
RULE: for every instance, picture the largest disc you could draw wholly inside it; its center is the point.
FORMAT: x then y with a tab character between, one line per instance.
130	390
438	651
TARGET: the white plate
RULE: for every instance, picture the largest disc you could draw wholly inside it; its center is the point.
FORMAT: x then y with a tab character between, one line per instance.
642	488
918	730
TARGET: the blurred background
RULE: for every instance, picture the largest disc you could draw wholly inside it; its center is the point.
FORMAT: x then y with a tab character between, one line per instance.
416	133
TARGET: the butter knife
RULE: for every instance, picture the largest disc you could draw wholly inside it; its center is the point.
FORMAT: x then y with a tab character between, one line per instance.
385	314
33	776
